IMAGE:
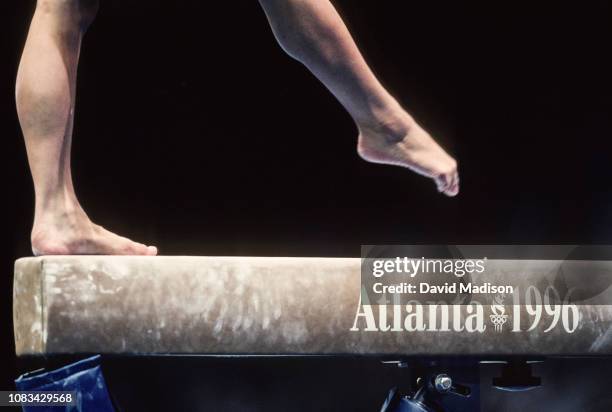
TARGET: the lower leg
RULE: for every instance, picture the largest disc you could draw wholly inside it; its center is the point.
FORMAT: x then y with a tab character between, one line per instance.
312	32
45	92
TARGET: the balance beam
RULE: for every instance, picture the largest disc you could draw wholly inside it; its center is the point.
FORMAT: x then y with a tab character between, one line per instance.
261	306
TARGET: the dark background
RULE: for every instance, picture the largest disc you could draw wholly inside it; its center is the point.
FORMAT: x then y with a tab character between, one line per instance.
194	131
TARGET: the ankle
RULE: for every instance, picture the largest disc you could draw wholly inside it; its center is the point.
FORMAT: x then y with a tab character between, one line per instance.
55	230
391	122
60	205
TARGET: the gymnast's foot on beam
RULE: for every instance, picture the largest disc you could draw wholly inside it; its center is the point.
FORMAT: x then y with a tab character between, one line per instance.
46	93
399	140
72	233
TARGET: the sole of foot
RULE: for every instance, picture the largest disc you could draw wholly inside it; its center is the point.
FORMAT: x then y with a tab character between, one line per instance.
404	143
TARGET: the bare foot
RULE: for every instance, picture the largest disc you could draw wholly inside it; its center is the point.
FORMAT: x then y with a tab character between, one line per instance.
398	140
74	234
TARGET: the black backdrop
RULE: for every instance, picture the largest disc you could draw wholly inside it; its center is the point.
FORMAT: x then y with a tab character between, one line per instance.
194	132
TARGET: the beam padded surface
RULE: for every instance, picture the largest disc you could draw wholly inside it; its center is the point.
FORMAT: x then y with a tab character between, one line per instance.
247	305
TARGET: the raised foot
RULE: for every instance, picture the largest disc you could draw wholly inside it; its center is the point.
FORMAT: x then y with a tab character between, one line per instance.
83	238
402	142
